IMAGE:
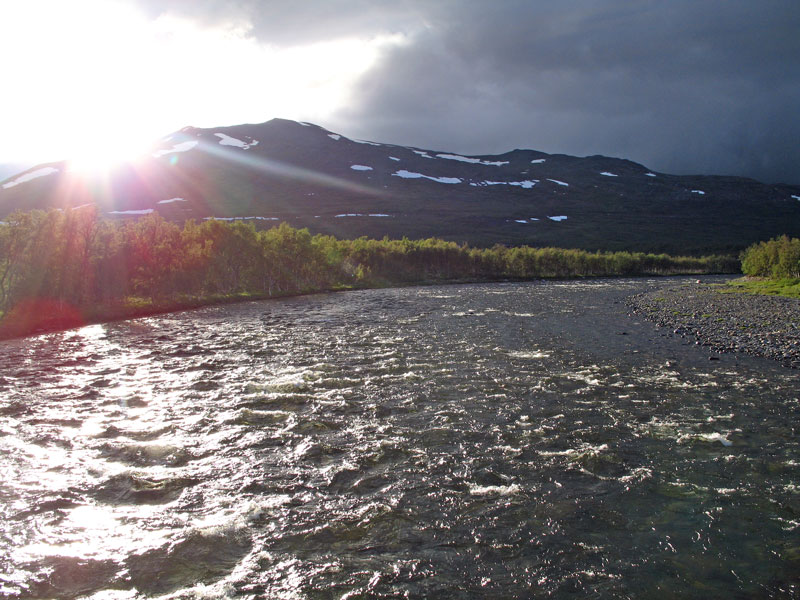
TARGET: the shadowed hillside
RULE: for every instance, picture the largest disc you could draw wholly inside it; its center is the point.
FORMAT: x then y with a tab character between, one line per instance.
309	177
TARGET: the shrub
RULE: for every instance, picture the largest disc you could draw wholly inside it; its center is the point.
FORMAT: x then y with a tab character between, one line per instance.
778	258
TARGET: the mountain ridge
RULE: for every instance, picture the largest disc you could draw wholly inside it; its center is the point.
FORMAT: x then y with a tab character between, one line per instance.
308	176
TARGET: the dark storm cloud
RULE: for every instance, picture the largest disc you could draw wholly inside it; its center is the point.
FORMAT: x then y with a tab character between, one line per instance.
680	85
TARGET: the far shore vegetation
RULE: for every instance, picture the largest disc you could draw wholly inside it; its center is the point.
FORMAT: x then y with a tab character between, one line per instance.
771	267
60	269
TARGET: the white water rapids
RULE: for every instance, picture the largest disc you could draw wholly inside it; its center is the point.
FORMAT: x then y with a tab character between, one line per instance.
479	441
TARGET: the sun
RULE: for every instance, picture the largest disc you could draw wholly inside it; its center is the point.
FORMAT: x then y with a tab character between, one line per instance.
99	154
91	92
98	161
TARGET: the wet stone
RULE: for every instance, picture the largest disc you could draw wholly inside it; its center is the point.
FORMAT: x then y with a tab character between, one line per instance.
717	319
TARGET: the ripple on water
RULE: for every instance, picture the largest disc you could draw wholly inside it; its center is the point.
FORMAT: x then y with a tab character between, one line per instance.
481	441
131	488
145	454
198	557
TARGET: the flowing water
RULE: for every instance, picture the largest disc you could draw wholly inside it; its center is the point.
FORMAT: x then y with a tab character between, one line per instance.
481	441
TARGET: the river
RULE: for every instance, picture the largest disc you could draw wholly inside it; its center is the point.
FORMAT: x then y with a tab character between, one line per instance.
475	441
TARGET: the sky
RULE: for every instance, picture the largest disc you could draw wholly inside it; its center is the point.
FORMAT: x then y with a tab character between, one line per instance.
681	86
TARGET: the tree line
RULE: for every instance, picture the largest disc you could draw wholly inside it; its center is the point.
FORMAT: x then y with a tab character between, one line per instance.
75	259
778	258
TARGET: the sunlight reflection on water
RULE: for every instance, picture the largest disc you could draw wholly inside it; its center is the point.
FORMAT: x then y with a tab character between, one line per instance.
389	443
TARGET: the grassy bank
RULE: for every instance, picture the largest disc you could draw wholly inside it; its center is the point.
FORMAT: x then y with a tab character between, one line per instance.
772	268
789	288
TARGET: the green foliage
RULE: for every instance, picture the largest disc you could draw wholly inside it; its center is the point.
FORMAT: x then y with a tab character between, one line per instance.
778	258
78	262
789	288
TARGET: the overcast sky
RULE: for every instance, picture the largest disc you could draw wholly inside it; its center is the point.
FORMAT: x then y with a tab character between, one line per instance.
682	86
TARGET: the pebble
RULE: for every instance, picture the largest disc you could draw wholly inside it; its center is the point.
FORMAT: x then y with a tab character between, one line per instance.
766	326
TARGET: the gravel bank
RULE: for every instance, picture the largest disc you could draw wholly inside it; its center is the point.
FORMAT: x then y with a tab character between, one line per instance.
727	322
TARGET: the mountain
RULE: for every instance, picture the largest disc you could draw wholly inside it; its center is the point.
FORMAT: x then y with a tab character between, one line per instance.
8	169
311	177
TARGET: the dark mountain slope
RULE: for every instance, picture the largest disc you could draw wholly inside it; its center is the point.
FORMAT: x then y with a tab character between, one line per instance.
310	177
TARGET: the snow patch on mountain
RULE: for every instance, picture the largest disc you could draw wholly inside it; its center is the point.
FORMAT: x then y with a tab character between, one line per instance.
394	158
409	175
360	168
181	147
240	218
796	197
423	154
558	182
171	200
527	184
607	174
29	176
226	140
368	143
334	136
538	161
474	161
650	174
360	215
558	218
701	192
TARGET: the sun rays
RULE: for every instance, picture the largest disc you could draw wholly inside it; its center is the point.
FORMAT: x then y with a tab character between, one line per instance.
100	81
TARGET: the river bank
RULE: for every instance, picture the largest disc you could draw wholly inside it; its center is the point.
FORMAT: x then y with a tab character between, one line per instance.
47	315
44	315
726	321
151	266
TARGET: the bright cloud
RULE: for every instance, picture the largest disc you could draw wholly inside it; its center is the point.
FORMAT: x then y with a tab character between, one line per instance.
81	88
